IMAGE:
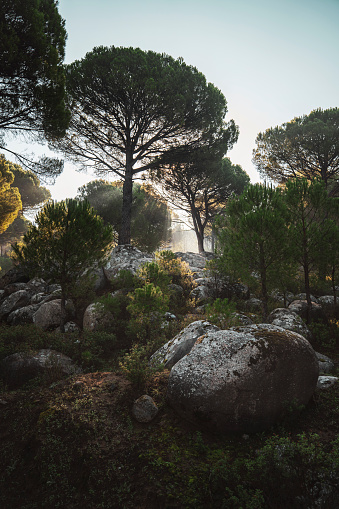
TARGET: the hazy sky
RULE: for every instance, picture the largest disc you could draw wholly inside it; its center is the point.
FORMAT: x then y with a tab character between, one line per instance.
272	59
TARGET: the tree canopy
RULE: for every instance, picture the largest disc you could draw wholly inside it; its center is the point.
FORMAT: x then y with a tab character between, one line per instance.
32	77
307	146
252	236
150	221
129	106
10	201
200	184
31	192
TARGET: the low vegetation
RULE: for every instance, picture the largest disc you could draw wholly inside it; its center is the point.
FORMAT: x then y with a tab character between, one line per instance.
73	443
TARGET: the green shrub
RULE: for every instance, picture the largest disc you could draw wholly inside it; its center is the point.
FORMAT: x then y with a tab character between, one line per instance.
221	313
147	307
151	272
325	334
125	280
177	269
135	365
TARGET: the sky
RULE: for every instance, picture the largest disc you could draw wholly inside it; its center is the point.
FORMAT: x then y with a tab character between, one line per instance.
272	59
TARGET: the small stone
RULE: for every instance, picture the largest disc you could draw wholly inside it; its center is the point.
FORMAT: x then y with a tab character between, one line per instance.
144	409
324	382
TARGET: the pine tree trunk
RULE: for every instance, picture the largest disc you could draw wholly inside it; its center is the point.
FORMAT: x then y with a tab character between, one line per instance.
126	216
63	312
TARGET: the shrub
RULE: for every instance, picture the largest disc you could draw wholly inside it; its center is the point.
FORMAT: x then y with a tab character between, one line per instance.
147	307
151	272
326	335
177	269
135	365
221	312
125	280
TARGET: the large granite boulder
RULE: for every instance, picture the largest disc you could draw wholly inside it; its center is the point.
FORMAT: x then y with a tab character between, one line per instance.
196	262
22	315
18	368
175	349
95	318
243	379
48	316
125	257
289	320
326	365
14	301
299	306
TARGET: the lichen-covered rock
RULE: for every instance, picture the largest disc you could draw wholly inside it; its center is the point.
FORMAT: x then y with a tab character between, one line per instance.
71	327
14	287
241	319
22	315
48	316
144	409
328	306
14	301
289	320
253	304
125	257
181	344
17	369
283	299
300	307
326	365
302	296
96	318
243	379
325	382
200	294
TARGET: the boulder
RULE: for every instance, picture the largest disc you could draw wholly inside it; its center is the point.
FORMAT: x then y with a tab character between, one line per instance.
194	259
325	382
181	344
302	296
282	299
327	303
254	305
37	285
125	257
95	317
16	300
17	369
326	365
14	275
241	319
300	307
14	287
243	379
200	294
48	316
22	315
71	327
144	409
289	320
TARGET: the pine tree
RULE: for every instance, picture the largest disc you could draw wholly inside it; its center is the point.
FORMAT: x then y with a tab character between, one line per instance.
67	239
